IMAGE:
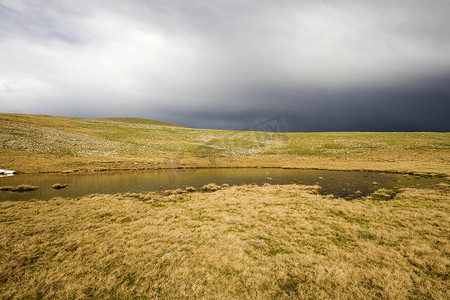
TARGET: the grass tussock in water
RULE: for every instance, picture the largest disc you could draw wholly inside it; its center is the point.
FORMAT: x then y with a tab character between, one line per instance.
19	188
58	186
237	242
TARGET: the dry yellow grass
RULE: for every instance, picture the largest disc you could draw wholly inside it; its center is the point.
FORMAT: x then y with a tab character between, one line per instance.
237	242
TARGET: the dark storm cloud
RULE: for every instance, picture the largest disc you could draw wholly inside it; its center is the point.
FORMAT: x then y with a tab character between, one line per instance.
320	65
422	105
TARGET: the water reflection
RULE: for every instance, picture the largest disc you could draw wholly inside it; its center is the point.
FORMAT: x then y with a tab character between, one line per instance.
340	183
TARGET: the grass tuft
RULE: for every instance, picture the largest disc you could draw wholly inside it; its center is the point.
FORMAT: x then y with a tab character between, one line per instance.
383	194
19	188
211	187
6	188
58	186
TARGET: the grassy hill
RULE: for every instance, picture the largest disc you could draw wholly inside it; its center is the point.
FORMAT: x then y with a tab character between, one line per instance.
37	143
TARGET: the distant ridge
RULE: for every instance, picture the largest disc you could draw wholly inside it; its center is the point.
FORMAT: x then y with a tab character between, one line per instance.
140	121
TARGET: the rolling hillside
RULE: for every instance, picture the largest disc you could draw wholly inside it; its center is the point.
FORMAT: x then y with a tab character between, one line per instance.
37	143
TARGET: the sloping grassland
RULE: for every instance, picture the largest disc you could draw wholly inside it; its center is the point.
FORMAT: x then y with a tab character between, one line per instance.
31	143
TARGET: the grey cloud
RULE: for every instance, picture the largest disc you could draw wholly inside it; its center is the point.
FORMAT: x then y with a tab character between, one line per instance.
37	23
322	65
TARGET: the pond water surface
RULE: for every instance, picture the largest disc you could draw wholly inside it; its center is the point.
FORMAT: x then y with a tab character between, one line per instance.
339	183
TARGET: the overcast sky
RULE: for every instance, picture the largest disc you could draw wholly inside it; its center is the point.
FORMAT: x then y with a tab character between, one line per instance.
317	65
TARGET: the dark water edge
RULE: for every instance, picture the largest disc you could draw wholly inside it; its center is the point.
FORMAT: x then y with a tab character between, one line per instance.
345	184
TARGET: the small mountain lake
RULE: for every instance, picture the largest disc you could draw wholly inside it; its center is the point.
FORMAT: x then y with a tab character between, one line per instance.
344	184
